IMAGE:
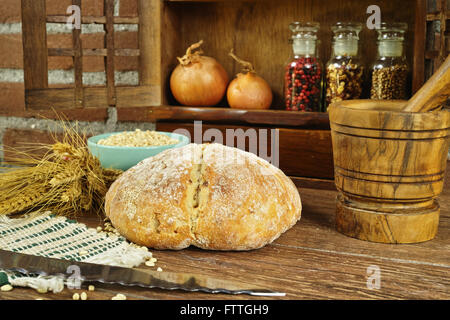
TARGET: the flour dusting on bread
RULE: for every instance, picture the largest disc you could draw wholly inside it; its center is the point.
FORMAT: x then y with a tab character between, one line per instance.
210	196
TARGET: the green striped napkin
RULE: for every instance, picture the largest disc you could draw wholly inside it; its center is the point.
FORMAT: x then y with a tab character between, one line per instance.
45	234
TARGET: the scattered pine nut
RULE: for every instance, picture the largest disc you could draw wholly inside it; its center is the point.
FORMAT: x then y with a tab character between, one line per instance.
159	269
149	263
91	288
6	287
99	229
83	296
76	296
119	296
83	252
42	290
153	259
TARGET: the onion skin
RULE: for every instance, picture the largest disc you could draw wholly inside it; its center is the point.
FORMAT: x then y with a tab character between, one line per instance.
249	91
200	83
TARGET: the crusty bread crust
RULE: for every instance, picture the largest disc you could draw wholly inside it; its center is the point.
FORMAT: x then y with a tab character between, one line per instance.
210	196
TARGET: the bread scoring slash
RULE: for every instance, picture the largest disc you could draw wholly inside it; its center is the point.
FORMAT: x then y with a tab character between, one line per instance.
207	195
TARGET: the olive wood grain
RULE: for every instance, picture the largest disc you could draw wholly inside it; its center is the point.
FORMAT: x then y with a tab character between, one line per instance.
389	168
434	93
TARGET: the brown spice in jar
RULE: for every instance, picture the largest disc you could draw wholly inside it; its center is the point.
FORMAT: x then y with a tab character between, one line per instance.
389	82
344	81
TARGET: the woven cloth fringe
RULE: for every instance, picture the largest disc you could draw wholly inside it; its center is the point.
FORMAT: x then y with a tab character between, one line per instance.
45	234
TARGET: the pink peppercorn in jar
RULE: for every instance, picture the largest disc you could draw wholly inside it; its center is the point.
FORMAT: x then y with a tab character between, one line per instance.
303	74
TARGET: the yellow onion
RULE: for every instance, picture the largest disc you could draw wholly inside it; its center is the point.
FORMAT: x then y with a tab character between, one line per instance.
198	80
248	90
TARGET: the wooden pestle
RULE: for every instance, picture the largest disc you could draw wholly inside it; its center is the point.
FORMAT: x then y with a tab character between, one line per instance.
433	93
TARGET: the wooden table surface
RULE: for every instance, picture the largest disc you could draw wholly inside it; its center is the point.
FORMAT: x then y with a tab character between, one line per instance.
310	261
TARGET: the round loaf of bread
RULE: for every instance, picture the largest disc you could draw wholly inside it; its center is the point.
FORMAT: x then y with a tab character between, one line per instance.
210	196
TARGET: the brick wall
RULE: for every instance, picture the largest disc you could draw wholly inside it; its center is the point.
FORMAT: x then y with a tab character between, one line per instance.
17	124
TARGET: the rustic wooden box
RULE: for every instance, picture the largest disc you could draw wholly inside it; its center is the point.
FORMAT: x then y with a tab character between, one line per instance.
258	32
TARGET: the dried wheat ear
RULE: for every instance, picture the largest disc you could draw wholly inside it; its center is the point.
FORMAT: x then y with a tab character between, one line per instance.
67	180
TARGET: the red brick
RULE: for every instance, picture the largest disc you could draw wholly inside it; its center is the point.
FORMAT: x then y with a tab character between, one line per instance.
88	7
10	11
133	114
64	63
128	8
12	97
17	139
123	40
92	40
25	139
85	114
126	63
126	40
94	64
57	7
11	51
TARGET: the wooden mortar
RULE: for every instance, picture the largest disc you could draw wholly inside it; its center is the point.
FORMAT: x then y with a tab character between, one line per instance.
389	169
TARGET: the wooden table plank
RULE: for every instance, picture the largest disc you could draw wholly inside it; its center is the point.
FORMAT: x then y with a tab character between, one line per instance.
303	274
316	231
310	261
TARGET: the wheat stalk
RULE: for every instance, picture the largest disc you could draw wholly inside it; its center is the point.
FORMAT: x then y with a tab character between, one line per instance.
23	201
67	180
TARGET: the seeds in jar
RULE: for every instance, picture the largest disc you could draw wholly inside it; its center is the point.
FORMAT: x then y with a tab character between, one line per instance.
344	81
389	82
138	138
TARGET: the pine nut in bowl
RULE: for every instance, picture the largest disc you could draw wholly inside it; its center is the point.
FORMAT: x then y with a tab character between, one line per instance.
123	150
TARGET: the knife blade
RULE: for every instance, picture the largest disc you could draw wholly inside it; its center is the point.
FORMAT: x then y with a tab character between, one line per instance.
91	272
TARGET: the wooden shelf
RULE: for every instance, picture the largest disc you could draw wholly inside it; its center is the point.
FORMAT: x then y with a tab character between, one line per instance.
273	118
438	15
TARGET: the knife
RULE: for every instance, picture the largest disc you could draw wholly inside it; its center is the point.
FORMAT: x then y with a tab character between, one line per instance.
90	272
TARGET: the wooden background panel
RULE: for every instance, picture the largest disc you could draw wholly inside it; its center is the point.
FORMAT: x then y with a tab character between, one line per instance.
258	31
306	153
302	153
34	44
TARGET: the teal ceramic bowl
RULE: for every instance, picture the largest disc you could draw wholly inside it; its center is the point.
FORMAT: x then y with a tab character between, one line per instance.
124	158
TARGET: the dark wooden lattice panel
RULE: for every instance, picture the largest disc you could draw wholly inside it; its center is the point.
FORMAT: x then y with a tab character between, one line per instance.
40	96
438	30
428	56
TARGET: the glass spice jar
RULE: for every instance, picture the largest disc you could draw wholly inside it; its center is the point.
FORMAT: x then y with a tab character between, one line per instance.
303	77
389	72
344	70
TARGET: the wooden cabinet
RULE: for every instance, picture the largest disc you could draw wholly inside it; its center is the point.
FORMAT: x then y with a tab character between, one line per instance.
257	30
